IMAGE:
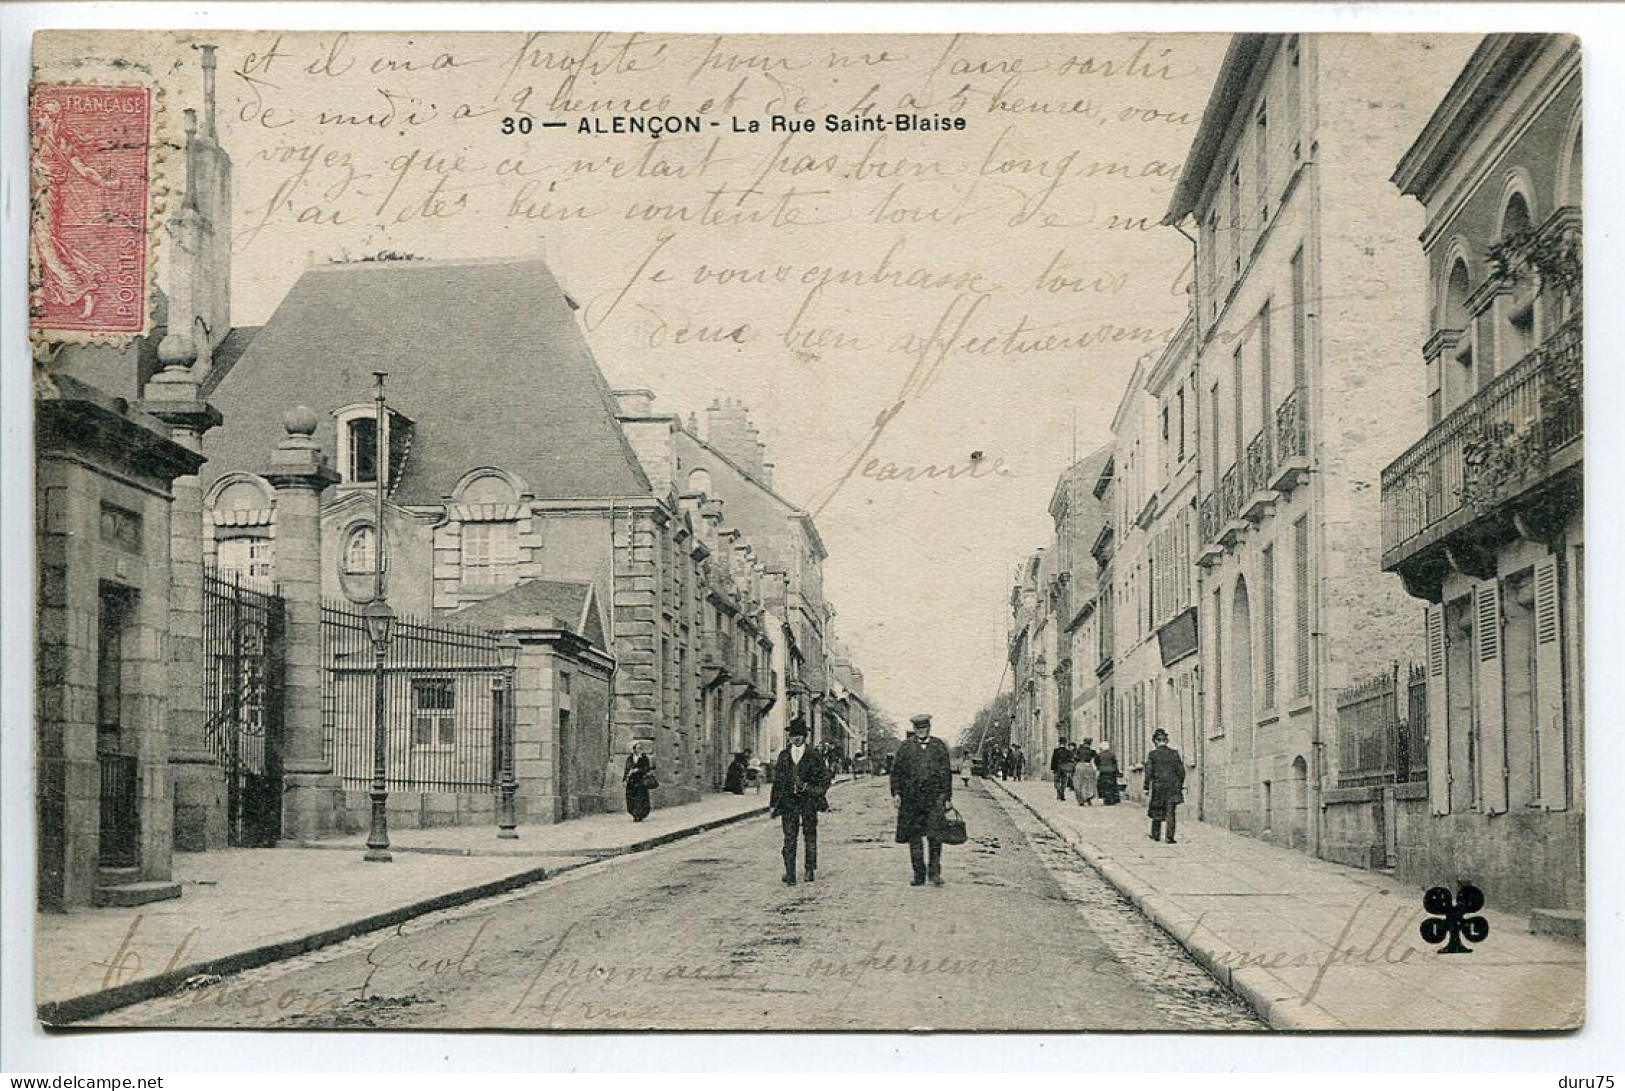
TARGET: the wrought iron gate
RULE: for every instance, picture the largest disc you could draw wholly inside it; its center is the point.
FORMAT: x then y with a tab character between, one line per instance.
243	653
444	688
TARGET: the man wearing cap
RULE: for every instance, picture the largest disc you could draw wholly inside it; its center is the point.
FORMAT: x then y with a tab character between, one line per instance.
1062	762
801	779
922	783
1165	783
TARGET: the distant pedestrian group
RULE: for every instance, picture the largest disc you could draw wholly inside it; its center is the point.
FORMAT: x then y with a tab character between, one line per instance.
1094	772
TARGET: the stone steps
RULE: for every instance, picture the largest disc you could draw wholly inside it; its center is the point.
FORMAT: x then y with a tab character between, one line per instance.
124	888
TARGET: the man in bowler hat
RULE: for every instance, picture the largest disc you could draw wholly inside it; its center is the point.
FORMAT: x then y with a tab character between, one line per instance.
801	779
1165	782
922	783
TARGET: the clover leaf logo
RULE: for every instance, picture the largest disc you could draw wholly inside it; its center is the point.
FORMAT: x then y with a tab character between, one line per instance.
1453	919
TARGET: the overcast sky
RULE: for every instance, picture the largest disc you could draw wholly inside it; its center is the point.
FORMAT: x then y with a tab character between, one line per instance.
972	298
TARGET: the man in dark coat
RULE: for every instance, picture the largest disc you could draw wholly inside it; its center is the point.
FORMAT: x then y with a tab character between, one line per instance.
1061	764
922	783
801	779
1165	783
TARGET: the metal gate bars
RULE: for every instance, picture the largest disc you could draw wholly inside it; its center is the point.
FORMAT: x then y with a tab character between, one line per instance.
243	655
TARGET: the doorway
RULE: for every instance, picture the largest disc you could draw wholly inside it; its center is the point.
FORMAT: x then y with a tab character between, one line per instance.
566	766
119	823
1243	802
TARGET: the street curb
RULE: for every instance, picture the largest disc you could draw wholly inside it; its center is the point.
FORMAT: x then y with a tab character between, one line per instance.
61	1013
1256	988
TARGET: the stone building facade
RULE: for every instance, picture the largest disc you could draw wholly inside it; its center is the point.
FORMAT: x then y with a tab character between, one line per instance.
1054	641
125	774
1483	517
1308	303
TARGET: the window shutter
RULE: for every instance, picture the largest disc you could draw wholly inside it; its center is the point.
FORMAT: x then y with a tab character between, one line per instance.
1267	578
1551	734
1300	591
1492	742
1438	717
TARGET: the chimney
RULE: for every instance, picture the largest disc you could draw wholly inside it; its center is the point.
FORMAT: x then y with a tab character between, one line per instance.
728	429
203	254
635	403
208	92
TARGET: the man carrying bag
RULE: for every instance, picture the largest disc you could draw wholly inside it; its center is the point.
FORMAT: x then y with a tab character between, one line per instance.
922	785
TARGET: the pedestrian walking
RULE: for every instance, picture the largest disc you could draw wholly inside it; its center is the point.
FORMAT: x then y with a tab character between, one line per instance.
801	780
1106	773
1061	764
1084	775
1020	761
922	784
639	779
734	781
1164	783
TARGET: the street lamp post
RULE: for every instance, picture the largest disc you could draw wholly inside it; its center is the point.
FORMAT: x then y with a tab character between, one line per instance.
380	621
508	649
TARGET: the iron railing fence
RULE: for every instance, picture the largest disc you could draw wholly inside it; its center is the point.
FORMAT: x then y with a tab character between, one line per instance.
1491	444
120	821
1376	745
444	693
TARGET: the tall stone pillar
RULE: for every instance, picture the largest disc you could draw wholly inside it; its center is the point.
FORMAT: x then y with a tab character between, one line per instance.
200	782
312	796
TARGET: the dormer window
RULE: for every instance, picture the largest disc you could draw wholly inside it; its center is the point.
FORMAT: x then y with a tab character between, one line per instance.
358	444
361	441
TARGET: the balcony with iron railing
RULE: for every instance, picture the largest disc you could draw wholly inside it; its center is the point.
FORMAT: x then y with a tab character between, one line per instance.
1231	498
1275	462
1258	471
1521	431
1290	467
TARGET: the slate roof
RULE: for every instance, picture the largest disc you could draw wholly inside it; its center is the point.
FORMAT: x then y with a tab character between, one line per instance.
565	600
485	358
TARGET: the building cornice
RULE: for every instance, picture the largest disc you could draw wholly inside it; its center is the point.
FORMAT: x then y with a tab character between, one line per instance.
1216	133
1482	82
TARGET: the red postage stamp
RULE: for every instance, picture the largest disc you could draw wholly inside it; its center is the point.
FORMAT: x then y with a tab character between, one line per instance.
89	173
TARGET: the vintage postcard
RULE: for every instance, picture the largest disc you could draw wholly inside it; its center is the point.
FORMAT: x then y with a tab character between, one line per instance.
560	531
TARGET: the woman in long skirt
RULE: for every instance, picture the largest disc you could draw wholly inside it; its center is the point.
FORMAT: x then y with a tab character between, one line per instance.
638	769
1084	775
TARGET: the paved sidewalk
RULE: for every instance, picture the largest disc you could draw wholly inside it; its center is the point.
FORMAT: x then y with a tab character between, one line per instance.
241	908
1313	945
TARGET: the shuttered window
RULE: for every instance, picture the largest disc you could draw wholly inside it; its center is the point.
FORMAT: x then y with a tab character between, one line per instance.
1300	327
1219	665
1300	603
1267	578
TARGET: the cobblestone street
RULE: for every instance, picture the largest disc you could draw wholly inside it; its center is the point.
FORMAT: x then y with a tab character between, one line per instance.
703	934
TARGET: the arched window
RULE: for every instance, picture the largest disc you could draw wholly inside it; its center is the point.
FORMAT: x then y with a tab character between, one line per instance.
241	513
1457	379
1517	328
360	550
357	427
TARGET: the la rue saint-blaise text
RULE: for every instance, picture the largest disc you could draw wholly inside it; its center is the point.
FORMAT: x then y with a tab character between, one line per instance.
677	124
